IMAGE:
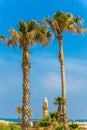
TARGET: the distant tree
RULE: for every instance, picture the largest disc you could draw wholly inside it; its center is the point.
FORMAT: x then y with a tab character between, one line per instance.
58	102
60	23
19	111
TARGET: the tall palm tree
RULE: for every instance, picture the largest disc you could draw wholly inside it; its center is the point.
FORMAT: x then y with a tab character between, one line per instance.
60	23
26	36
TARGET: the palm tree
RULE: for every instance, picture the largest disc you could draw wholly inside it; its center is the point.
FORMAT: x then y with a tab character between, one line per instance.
26	36
60	23
19	111
58	102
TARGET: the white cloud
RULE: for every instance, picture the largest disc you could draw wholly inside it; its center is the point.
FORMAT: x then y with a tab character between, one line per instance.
76	64
51	81
75	71
76	74
48	70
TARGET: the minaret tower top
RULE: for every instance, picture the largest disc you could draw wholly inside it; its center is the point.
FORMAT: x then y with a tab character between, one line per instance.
45	107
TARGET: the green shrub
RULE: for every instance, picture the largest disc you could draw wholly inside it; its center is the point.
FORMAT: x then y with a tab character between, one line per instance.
54	115
10	126
46	121
74	126
59	127
4	126
14	127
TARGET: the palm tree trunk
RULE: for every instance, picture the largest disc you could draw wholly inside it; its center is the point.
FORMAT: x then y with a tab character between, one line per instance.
26	89
61	59
59	107
19	120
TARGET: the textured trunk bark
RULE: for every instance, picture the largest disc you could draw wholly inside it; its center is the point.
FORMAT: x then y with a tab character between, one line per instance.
26	89
61	59
19	118
59	107
59	113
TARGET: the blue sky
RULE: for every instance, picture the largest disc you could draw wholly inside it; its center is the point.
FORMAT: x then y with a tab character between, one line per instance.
45	67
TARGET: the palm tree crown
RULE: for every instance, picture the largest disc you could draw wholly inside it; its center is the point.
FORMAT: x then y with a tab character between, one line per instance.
58	101
19	109
65	22
28	34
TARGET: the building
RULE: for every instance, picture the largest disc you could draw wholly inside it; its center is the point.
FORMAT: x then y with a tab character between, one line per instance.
45	107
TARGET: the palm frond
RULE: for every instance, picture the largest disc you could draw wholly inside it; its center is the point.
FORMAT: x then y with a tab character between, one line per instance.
80	29
78	20
66	22
30	25
15	37
48	20
43	35
5	40
58	101
22	26
42	22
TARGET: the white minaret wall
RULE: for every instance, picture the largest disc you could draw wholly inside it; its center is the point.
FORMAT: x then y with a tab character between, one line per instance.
45	107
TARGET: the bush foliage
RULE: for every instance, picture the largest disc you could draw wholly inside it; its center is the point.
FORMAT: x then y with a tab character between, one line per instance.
9	126
46	121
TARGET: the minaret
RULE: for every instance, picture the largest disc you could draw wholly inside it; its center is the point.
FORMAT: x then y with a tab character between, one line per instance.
45	107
